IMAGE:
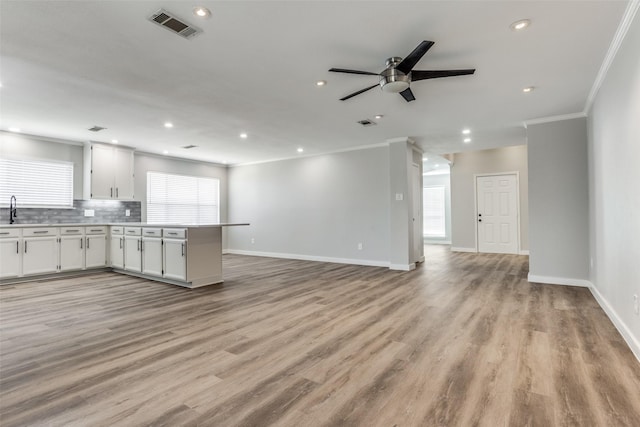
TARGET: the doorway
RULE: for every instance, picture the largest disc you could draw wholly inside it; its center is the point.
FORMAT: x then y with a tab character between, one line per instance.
497	216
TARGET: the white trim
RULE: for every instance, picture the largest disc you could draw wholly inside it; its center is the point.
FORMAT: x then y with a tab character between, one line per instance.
475	207
455	249
366	262
523	252
564	281
622	327
428	241
403	267
558	118
618	38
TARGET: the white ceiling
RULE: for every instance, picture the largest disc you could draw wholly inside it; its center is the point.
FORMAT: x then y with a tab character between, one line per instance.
69	65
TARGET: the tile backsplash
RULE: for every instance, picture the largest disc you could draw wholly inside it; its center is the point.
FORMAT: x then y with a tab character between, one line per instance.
104	211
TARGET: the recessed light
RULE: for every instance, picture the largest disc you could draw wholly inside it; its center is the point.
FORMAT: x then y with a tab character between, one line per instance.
466	131
12	129
243	135
467	140
115	141
520	25
202	12
300	150
168	125
321	82
437	164
379	116
165	152
528	89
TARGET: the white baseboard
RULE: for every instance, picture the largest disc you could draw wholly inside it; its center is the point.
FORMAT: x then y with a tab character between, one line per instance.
455	249
523	252
558	281
366	262
403	267
622	327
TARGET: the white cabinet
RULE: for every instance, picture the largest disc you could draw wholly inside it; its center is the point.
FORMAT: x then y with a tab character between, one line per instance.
108	172
40	253
175	254
96	246
71	253
152	251
10	258
116	246
132	249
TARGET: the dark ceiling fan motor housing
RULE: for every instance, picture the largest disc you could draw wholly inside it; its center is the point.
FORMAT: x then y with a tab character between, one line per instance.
399	73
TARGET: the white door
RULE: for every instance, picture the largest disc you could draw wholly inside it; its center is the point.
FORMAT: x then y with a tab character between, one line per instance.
418	239
40	255
132	253
117	251
71	253
10	257
96	251
175	259
497	213
152	256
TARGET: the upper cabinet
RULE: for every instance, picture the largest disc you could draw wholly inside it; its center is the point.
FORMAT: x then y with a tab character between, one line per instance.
108	173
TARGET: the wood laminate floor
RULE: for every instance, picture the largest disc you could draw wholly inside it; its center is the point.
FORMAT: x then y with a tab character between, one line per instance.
463	340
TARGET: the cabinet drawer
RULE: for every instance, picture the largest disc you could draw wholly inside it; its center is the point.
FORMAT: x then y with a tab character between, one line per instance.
4	232
67	231
132	231
117	230
99	229
48	231
174	233
152	232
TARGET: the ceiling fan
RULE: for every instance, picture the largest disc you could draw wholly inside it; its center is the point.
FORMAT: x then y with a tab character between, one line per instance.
399	73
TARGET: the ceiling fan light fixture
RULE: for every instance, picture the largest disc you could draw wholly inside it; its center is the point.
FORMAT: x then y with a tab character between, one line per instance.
321	82
520	25
528	89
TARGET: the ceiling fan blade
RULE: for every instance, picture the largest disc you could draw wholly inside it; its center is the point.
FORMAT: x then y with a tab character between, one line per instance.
358	92
408	95
434	74
343	70
412	59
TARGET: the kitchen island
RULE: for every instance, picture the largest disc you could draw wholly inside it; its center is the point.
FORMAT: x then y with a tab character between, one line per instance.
185	255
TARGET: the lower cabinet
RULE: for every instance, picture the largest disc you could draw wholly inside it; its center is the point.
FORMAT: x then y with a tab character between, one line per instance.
175	259
10	257
96	251
116	246
71	253
152	256
133	253
40	255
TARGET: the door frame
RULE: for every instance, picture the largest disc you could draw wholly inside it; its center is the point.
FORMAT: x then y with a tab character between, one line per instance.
475	205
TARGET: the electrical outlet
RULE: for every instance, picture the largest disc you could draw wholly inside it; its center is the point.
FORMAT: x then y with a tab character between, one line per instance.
359	246
127	212
636	305
89	212
253	240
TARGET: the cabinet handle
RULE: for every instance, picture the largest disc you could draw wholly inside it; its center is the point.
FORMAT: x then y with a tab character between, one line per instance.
87	243
4	233
25	246
116	192
182	249
96	229
72	231
111	192
120	239
41	232
174	234
80	243
17	247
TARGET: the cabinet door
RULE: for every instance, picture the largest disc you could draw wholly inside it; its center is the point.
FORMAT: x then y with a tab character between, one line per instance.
96	251
152	256
102	167
117	251
71	253
132	254
10	258
175	259
40	255
123	174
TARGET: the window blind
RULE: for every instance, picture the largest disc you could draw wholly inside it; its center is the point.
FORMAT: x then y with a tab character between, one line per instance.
181	199
434	211
36	183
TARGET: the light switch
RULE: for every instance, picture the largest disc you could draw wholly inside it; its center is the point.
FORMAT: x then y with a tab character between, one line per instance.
399	196
127	212
89	212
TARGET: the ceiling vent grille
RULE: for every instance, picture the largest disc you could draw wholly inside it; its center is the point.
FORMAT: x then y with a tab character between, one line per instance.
367	122
188	147
96	129
173	24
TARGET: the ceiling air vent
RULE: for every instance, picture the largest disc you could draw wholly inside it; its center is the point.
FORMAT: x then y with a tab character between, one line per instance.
188	147
96	129
366	122
175	25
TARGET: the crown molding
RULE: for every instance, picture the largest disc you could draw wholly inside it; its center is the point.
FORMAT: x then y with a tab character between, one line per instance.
554	118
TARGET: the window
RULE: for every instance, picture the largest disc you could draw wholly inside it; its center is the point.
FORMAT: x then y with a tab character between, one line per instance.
434	212
180	199
37	183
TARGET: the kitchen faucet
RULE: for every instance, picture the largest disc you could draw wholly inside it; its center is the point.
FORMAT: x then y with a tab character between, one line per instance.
13	202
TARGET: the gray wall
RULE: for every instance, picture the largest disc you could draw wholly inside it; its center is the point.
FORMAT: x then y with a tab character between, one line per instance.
466	166
558	200
614	154
319	206
443	180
